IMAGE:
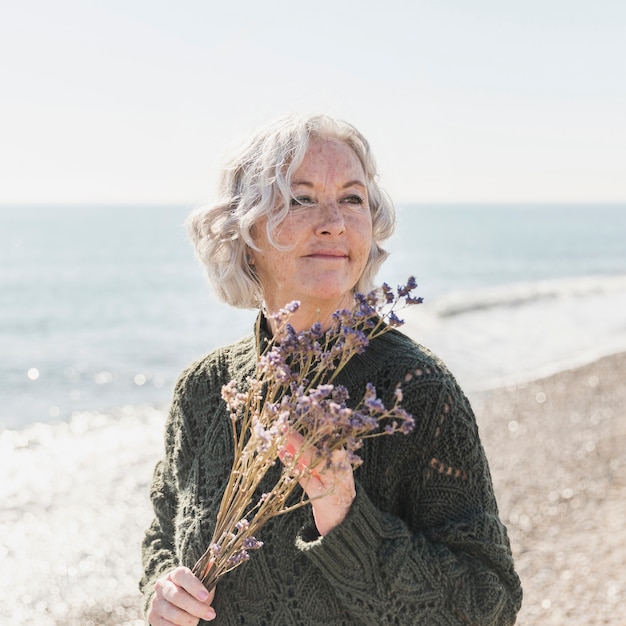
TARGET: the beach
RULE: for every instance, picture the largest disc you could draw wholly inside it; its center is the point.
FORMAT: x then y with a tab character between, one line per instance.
557	451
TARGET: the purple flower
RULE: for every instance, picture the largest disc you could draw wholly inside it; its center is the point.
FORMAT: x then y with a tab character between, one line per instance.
388	293
394	320
216	549
354	339
340	394
375	405
408	421
250	543
411	300
281	316
238	558
294	390
320	393
272	364
405	290
363	423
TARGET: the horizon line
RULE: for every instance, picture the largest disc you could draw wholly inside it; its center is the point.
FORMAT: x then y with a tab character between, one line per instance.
398	204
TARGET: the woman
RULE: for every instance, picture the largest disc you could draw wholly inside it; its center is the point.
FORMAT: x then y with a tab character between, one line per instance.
411	537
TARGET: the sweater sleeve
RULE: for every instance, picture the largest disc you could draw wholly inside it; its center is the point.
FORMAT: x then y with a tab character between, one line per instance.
441	555
159	553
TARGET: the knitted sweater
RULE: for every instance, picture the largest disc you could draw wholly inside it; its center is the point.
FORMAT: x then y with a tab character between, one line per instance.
422	542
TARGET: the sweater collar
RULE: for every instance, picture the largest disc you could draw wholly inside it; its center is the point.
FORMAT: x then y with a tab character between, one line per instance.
262	333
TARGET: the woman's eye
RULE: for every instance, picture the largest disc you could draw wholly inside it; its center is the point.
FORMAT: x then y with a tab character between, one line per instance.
301	201
354	199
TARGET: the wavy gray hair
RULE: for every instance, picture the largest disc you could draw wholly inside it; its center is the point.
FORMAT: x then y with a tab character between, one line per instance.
256	183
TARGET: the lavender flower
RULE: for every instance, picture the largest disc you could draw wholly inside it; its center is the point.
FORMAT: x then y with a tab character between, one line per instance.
250	543
237	558
294	390
216	549
394	320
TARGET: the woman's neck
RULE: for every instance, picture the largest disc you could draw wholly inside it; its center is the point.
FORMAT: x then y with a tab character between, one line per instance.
309	313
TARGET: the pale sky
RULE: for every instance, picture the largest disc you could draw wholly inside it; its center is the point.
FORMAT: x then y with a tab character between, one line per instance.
462	100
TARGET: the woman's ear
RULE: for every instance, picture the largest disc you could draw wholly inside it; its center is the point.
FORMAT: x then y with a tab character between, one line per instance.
250	256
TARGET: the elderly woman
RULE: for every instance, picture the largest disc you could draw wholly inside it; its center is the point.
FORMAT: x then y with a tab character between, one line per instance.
411	537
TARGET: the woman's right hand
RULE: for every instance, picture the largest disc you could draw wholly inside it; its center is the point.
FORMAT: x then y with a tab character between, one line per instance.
180	598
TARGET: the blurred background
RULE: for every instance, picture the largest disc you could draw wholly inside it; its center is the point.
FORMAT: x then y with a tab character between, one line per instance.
499	132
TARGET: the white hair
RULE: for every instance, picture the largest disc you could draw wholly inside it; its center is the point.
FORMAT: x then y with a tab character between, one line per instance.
256	183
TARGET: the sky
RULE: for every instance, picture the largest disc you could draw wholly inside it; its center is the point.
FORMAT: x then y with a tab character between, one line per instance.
135	101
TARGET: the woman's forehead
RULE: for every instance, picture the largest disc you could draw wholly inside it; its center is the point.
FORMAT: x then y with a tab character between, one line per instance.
328	155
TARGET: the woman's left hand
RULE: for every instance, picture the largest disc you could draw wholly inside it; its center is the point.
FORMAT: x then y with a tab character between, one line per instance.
331	489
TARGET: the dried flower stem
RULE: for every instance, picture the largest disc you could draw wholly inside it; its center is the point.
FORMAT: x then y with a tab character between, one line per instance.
293	391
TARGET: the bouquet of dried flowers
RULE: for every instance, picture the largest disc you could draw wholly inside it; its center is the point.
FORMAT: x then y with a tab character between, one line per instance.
293	391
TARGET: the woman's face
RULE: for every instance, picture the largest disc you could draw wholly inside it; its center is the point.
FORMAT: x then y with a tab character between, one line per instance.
328	232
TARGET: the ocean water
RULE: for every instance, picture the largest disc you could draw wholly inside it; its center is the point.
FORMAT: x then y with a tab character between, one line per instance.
101	307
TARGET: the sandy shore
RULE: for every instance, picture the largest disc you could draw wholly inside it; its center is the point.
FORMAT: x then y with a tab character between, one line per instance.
557	449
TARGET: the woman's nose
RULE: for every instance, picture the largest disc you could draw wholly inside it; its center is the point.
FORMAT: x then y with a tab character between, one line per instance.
331	220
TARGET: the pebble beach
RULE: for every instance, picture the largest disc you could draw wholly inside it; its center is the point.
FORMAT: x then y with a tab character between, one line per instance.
70	548
557	450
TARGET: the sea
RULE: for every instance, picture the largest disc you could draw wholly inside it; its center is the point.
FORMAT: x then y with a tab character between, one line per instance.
101	308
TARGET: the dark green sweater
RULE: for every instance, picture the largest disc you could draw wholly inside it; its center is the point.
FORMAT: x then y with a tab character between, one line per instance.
422	542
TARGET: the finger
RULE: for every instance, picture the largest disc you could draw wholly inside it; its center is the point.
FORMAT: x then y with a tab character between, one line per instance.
176	604
292	447
295	449
334	484
180	608
185	578
164	613
332	505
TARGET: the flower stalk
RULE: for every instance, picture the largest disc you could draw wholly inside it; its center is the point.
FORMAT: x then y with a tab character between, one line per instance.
294	391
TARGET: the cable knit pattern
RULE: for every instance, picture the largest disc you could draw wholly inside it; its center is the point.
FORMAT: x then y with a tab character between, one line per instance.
422	543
